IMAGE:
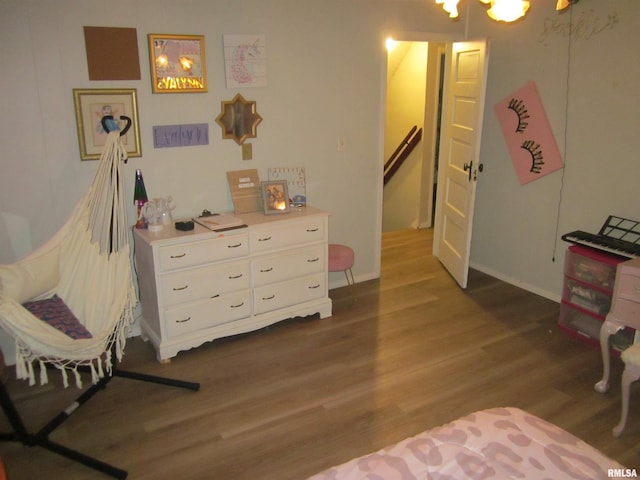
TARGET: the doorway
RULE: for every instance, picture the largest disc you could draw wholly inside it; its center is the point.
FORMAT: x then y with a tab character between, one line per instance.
463	91
413	100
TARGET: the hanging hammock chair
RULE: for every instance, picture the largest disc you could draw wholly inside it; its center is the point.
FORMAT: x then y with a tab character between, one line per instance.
69	304
86	265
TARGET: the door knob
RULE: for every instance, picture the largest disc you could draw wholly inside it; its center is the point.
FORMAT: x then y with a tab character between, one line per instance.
468	167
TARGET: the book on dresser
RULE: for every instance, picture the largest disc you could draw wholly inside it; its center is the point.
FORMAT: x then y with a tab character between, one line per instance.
217	222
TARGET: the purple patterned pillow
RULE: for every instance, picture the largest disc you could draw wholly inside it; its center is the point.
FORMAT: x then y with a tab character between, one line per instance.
57	314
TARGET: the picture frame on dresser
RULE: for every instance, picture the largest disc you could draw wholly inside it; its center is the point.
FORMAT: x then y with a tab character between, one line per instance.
275	196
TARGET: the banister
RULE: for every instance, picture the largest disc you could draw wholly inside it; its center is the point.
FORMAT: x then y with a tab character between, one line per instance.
401	153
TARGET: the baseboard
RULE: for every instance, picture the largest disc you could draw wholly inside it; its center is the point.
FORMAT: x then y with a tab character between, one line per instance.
518	283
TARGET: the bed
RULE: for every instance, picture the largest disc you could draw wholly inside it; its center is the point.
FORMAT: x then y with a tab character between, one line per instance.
499	443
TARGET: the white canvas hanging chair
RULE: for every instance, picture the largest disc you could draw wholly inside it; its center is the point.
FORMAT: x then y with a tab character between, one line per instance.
87	265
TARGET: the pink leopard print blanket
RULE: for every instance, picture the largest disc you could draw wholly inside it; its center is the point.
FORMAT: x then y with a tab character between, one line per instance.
500	443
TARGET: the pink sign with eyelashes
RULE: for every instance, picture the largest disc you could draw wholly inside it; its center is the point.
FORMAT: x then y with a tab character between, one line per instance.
529	138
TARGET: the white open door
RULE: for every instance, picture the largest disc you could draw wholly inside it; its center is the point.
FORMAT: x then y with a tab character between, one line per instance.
459	163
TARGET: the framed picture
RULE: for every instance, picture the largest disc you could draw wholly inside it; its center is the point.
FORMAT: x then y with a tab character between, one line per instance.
177	63
91	105
275	197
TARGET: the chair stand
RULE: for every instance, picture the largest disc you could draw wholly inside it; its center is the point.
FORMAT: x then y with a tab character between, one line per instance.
41	438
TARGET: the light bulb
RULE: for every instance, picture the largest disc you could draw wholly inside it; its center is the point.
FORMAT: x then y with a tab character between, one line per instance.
507	10
449	6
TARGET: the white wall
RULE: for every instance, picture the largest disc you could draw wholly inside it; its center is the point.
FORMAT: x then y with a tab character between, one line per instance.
517	228
325	77
325	73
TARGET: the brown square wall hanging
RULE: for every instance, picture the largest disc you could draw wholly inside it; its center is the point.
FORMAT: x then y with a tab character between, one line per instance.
112	53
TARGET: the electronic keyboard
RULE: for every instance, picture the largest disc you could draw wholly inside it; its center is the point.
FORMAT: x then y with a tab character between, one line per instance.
619	236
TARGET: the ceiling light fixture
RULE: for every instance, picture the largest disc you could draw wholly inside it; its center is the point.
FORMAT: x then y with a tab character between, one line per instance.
506	10
562	4
500	10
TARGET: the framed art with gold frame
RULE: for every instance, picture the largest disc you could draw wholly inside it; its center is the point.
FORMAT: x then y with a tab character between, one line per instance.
91	105
177	63
275	197
238	119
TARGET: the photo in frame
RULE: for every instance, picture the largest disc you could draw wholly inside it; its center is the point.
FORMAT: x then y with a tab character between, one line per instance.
91	105
177	63
275	197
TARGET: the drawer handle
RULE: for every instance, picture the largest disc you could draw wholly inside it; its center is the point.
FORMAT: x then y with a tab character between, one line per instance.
311	287
179	256
233	277
264	239
265	270
311	230
269	298
311	260
184	320
238	305
177	289
235	245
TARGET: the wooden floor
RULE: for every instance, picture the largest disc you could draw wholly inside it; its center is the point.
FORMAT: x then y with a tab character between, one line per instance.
399	355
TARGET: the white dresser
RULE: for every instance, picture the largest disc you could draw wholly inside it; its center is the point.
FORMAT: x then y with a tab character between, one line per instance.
201	285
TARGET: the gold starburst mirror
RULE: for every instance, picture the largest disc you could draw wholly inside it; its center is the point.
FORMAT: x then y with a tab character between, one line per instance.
238	119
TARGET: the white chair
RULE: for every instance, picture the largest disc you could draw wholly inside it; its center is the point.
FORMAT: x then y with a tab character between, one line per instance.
631	373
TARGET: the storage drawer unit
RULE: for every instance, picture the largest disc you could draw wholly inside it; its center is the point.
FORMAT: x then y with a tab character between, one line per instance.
200	285
591	267
589	278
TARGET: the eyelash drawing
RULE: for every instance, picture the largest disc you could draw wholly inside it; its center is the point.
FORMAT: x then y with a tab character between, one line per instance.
520	109
536	155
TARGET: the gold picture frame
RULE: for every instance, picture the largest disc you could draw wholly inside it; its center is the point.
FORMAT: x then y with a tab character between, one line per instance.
177	63
275	197
238	119
91	105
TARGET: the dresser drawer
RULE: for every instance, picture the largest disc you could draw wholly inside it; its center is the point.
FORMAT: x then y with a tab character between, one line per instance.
307	231
202	283
627	310
291	292
200	315
590	267
629	287
172	257
585	296
579	321
276	268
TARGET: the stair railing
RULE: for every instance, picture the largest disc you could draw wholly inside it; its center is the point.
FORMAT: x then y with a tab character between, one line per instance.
401	153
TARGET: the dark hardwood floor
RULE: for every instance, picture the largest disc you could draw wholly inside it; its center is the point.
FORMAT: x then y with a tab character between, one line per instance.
400	355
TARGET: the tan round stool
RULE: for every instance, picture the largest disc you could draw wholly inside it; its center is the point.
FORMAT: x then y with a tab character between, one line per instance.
341	259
